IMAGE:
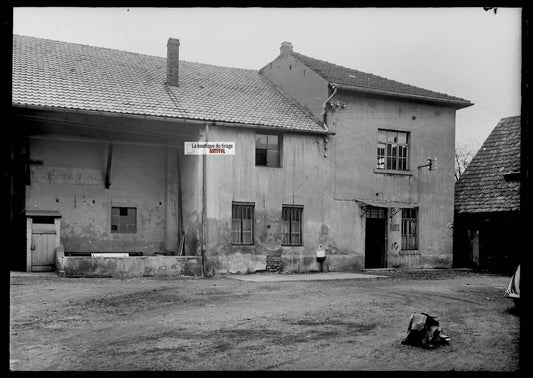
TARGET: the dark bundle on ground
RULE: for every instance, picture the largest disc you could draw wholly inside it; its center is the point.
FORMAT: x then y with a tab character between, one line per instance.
424	331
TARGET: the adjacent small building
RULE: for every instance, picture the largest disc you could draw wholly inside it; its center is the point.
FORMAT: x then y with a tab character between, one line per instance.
487	226
326	158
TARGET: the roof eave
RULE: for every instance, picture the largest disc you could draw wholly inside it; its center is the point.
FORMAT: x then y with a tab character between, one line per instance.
175	119
440	101
485	210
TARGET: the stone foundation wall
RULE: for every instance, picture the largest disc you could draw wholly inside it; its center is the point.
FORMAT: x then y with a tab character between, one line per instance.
274	263
145	266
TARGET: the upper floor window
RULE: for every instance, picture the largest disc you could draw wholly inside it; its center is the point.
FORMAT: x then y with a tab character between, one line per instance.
267	150
124	220
291	227
242	223
409	229
393	149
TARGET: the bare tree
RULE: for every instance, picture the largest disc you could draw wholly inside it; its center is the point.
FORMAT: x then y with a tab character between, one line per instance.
464	153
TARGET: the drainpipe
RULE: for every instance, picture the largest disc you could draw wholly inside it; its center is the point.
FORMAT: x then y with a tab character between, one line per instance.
325	117
324	107
204	206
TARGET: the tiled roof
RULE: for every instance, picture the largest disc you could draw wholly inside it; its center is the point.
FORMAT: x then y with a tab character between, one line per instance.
72	76
346	76
482	186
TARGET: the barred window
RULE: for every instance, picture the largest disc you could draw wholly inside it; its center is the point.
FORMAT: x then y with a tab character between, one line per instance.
124	220
267	150
291	226
242	223
409	229
375	212
393	150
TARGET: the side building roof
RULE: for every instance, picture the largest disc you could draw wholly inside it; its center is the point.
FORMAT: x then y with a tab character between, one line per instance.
65	75
487	184
365	82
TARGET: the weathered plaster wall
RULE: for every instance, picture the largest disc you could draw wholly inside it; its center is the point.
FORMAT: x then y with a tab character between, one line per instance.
71	180
353	161
303	179
299	82
328	187
353	150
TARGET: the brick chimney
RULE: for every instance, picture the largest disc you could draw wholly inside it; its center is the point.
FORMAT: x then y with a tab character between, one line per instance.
285	49
173	61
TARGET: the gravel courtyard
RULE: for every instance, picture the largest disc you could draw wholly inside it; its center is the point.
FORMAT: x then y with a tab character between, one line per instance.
227	324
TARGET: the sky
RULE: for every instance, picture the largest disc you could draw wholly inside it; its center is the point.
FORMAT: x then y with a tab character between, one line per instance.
470	53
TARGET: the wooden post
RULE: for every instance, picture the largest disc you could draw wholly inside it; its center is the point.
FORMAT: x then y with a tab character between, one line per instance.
57	223
204	207
108	167
29	224
181	228
475	247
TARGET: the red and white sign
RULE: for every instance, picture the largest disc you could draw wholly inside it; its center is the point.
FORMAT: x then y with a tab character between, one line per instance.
209	148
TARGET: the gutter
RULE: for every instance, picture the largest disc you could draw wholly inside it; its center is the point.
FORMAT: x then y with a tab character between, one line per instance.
456	103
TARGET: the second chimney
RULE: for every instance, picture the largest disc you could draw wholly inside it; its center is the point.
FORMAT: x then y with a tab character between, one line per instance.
285	49
173	61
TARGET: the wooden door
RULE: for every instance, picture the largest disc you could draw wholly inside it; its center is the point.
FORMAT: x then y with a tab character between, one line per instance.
43	243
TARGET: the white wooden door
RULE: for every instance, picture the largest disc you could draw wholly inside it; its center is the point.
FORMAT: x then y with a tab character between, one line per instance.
43	243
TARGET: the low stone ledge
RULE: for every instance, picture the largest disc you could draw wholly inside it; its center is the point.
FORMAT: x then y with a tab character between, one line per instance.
236	263
145	266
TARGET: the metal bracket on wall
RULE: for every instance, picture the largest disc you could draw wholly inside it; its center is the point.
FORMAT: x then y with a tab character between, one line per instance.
364	210
394	211
325	146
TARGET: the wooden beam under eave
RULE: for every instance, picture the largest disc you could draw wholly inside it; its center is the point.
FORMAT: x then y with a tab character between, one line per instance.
108	167
27	160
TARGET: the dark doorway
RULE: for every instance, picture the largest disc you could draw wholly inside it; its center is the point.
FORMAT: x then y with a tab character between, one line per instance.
499	244
375	256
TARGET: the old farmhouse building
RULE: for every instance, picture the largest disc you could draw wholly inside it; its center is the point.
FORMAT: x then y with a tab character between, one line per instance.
385	207
326	158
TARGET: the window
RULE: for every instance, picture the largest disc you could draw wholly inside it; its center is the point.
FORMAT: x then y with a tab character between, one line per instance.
375	212
124	220
291	226
393	150
267	150
409	229
242	223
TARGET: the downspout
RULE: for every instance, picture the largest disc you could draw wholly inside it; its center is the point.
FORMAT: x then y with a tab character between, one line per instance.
204	206
324	107
325	118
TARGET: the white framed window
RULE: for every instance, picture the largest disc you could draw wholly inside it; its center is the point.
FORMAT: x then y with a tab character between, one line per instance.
393	150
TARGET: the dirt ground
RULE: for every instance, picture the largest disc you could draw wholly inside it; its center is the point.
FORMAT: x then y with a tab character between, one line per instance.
226	324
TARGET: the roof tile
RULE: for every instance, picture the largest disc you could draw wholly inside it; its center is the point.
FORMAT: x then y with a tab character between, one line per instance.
66	75
357	79
482	186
